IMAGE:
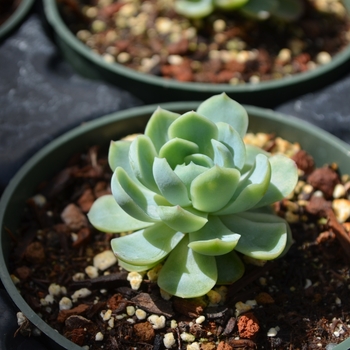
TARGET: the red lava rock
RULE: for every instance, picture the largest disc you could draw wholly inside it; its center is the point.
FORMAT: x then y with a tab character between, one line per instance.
304	161
324	179
144	332
84	236
317	205
23	272
35	253
101	189
117	303
248	325
224	346
264	298
86	199
73	217
187	307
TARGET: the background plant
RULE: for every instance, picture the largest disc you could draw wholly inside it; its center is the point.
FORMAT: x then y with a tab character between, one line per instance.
286	10
195	195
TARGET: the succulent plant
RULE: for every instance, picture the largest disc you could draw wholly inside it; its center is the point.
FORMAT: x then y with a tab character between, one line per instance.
286	10
195	197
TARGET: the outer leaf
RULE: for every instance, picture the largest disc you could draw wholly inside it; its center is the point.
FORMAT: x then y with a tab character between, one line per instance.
141	156
137	268
194	8
107	216
137	201
259	9
251	188
193	127
212	190
230	4
284	177
176	150
289	10
213	239
234	142
262	236
118	155
220	108
222	155
157	126
230	268
147	246
182	220
251	153
169	184
194	275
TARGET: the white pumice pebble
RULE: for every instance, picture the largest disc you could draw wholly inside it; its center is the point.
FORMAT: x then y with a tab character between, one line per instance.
111	322
107	315
140	314
308	284
242	307
104	260
339	191
65	304
121	316
200	319
252	303
49	299
99	336
54	289
157	322
214	297
130	310
272	332
187	337
193	346
152	274
169	340
21	319
173	324
39	200
341	209
15	279
165	295
81	293
130	320
91	271
135	280
79	276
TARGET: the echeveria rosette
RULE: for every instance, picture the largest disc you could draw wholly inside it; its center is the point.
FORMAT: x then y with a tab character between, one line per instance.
192	192
285	10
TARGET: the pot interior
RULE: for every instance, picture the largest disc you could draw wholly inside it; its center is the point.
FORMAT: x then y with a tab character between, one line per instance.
324	147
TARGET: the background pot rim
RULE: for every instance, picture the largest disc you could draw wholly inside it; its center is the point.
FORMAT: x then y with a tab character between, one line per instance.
258	113
16	17
55	20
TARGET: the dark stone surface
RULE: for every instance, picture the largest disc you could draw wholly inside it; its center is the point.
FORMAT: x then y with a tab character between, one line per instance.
41	97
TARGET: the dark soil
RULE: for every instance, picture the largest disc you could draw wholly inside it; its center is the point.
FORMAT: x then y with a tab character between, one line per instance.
150	37
300	301
7	8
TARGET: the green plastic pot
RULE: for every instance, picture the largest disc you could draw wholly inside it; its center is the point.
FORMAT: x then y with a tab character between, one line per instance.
153	89
16	18
324	147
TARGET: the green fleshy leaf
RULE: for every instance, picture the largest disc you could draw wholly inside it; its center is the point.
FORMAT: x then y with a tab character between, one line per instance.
222	155
284	177
187	173
141	156
251	153
194	8
263	236
214	238
234	142
251	188
221	108
147	246
212	190
186	273
288	10
176	150
183	220
136	200
230	4
107	216
200	159
230	268
118	155
258	9
157	126
136	268
169	184
193	127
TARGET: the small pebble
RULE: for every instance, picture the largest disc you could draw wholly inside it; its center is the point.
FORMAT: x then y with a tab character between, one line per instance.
65	304
157	322
187	337
105	260
135	280
140	314
168	340
99	336
91	271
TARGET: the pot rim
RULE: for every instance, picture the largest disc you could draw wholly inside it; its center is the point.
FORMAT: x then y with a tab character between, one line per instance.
55	20
105	121
16	17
